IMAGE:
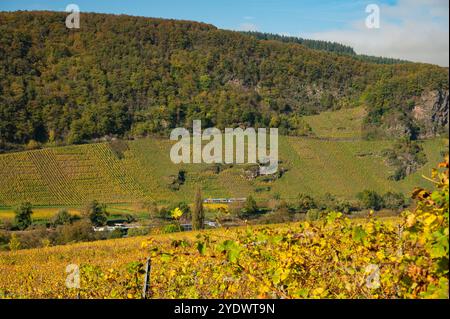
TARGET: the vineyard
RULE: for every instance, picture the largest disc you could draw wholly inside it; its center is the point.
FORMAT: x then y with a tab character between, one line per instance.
332	258
66	176
72	176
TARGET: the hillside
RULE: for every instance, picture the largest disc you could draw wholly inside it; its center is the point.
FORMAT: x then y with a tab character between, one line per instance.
333	257
142	171
324	46
134	76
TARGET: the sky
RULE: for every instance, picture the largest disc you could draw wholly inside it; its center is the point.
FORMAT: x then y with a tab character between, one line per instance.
416	30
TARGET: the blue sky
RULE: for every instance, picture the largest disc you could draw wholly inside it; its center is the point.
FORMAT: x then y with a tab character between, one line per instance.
276	16
335	20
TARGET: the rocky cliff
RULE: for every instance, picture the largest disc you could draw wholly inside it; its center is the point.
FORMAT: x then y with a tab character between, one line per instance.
431	113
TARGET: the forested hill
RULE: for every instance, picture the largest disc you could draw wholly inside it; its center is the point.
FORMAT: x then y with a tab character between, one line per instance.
133	76
328	46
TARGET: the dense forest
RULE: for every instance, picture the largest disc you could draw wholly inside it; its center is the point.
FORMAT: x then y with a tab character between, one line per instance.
312	44
324	46
132	76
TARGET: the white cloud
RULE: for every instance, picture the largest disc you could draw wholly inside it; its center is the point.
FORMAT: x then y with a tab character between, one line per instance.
415	30
248	27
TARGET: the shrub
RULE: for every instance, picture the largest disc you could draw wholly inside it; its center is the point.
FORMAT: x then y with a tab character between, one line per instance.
185	209
304	203
14	243
171	228
343	206
141	231
370	200
62	217
6	224
116	233
250	208
97	213
130	218
153	210
313	214
277	217
393	200
78	231
23	216
4	237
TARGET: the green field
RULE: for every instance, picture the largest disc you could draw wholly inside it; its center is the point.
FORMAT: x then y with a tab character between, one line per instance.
341	124
71	176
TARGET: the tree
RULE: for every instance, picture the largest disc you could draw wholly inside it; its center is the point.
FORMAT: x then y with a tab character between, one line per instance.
393	200
250	207
97	213
370	200
78	231
62	217
198	213
23	216
305	203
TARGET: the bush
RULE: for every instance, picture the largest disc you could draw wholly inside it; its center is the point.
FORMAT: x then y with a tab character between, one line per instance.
344	206
14	243
130	218
394	200
304	203
152	209
141	231
6	224
63	217
370	200
116	233
277	217
171	228
313	214
4	237
164	213
23	213
250	208
185	209
97	213
78	231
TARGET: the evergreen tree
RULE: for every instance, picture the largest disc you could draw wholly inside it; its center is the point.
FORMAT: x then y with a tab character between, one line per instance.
23	216
97	213
250	207
198	214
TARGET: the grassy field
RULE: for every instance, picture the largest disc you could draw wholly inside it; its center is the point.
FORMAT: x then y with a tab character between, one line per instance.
71	176
341	124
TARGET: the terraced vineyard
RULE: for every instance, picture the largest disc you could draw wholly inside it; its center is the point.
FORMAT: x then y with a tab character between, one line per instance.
66	176
74	175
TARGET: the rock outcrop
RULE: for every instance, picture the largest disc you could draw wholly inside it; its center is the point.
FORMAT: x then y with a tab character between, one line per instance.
431	113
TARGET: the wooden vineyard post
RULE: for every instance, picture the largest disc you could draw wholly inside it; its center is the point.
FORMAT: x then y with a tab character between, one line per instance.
146	279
